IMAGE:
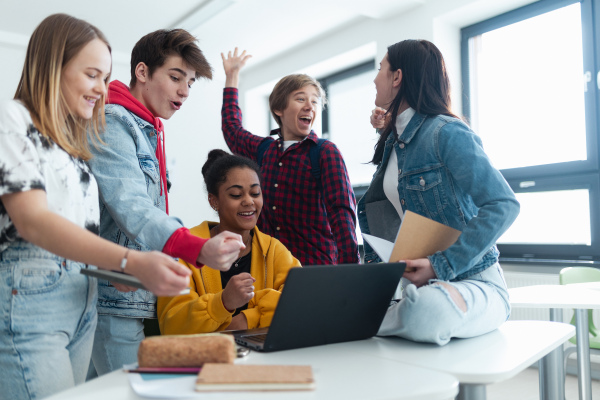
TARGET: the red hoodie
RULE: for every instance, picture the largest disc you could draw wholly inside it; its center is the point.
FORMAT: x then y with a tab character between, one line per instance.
181	244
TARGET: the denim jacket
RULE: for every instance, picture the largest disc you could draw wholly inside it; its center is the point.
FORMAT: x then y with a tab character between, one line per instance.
132	210
444	175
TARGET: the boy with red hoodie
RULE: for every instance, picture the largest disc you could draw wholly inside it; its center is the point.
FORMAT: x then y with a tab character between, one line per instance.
133	183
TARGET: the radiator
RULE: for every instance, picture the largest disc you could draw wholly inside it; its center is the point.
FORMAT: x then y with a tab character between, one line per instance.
518	279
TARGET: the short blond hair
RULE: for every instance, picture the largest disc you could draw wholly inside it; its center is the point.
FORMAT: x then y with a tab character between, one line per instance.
278	100
55	41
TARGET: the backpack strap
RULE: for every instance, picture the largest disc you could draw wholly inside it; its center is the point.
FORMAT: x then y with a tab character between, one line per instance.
314	155
315	162
260	152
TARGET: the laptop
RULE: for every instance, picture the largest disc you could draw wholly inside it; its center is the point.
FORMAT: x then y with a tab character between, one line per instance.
327	304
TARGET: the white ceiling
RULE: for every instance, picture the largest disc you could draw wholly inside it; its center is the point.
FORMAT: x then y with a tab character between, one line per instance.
265	27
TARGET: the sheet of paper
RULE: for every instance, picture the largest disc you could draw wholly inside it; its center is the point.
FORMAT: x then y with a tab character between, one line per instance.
168	387
382	247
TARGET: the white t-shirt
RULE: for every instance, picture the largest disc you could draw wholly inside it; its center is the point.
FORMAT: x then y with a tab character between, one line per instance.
390	179
29	160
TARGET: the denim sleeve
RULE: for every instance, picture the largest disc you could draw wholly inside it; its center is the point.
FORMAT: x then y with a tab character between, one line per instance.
461	152
123	189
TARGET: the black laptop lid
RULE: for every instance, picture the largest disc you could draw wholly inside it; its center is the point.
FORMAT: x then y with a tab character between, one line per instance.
333	303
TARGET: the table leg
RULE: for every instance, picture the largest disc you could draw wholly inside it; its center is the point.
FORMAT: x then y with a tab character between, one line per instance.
552	367
471	392
583	354
551	375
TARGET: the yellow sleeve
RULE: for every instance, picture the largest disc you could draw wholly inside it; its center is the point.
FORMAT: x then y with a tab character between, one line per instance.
196	312
262	306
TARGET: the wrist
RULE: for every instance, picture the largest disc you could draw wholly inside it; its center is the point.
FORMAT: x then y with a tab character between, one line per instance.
124	261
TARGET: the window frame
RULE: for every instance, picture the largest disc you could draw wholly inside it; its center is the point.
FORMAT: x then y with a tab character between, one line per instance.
557	176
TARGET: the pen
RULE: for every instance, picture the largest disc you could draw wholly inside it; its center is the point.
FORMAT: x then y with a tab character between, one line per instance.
166	370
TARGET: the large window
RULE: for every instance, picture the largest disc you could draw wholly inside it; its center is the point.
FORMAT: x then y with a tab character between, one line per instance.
530	92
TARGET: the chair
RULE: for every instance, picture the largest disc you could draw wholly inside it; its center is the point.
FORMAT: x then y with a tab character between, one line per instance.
582	275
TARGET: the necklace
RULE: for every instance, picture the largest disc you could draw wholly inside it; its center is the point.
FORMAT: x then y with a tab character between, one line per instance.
235	264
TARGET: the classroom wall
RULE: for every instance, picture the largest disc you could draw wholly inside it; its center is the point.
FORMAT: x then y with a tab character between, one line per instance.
196	128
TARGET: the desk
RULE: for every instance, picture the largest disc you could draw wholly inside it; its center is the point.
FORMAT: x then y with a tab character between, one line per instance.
484	359
340	372
557	297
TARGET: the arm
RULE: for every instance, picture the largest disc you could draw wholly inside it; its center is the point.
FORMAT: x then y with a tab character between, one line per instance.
262	306
461	151
196	312
239	140
340	203
35	223
123	190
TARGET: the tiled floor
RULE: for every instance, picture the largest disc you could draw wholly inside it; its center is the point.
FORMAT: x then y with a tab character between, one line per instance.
525	386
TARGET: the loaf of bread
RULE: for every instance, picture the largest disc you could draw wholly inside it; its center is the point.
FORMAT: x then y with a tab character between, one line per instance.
186	350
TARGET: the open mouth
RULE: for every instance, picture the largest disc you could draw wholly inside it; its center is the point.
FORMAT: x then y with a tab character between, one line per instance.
247	214
305	121
176	104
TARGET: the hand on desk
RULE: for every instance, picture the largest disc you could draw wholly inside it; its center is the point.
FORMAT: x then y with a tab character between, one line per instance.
238	322
419	271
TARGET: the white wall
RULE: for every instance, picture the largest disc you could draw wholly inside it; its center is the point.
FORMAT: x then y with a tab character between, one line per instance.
196	128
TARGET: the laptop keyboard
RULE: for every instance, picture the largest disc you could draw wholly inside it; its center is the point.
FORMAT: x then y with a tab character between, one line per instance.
258	338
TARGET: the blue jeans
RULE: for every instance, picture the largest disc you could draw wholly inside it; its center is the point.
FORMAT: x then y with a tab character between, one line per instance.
47	322
428	314
116	343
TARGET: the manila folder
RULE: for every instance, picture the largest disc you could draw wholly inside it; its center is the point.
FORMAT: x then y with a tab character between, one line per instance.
419	237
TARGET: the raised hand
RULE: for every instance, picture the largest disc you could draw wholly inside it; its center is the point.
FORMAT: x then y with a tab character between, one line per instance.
232	64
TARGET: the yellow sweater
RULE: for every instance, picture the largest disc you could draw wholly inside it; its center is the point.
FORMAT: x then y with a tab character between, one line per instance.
202	309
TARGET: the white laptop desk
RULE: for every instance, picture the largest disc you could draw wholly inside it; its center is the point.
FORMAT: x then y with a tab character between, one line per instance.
485	359
340	373
581	297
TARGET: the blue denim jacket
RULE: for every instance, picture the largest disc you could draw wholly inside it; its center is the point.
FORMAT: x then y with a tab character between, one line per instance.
444	175
132	211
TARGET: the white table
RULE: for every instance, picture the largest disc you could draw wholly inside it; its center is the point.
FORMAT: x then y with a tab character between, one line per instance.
556	298
340	373
486	359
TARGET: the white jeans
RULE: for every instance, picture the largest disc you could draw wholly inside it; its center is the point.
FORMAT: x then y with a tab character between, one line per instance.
428	314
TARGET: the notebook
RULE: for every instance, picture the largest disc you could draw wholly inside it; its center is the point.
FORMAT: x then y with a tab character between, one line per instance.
327	304
235	377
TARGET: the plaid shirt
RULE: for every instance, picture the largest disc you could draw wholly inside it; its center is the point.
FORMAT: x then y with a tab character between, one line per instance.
317	228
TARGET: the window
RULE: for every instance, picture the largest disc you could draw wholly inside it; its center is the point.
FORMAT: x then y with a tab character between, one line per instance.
529	92
351	97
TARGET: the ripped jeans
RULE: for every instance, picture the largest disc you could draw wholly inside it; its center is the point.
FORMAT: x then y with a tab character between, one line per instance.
428	314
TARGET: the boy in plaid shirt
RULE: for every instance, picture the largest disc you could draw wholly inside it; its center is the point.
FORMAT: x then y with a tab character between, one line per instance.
315	220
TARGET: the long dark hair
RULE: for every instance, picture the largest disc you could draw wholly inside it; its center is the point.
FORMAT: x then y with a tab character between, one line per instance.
425	86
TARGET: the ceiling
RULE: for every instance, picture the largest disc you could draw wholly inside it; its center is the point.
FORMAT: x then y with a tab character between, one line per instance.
265	27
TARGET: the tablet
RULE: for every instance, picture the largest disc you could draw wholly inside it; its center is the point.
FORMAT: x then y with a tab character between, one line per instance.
119	277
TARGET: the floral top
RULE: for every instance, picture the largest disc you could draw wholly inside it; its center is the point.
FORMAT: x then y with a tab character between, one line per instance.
30	160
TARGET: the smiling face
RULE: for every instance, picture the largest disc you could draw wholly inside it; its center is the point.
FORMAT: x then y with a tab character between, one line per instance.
239	201
167	89
387	84
84	78
300	113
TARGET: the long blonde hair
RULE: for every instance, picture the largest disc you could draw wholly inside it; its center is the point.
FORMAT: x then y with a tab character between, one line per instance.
55	41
